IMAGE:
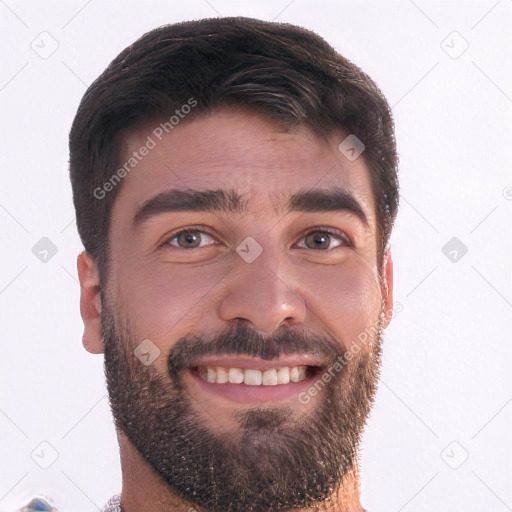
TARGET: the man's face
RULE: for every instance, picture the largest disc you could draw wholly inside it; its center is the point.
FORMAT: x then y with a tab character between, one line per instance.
267	293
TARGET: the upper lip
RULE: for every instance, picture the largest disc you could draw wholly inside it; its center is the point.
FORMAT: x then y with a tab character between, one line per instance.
231	361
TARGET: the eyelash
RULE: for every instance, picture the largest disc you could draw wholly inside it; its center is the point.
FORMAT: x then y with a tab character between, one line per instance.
193	229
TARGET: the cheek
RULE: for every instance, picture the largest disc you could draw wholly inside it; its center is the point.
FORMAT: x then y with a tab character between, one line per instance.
346	299
163	301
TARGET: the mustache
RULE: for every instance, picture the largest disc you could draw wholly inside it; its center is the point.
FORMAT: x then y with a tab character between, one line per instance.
239	339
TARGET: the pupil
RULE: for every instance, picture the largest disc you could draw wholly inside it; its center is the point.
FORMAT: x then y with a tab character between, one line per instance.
190	238
320	240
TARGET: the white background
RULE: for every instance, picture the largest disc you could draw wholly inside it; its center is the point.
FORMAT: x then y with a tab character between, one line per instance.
446	374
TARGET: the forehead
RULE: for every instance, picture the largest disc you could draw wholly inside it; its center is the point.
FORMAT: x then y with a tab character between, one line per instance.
235	150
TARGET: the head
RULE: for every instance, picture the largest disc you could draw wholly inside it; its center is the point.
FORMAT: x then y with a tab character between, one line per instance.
235	185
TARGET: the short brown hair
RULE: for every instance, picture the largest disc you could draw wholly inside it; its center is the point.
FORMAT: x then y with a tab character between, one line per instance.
283	71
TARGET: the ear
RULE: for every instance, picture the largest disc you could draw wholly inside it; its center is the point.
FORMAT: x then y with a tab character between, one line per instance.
90	303
387	286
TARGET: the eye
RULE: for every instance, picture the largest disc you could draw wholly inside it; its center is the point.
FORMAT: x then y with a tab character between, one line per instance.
322	238
189	239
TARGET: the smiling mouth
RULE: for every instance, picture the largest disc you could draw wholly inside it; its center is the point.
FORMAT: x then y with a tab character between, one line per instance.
253	376
247	379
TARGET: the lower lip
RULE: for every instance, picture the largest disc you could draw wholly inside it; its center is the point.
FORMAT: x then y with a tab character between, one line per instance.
243	393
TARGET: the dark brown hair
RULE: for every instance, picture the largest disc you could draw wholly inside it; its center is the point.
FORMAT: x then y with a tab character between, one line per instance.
282	71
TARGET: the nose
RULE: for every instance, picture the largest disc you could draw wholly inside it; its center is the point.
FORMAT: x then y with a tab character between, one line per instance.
262	294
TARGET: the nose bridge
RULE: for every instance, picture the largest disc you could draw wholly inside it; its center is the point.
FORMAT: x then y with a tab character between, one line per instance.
262	291
267	276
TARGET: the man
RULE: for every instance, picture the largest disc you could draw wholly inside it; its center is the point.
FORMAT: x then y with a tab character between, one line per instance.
235	185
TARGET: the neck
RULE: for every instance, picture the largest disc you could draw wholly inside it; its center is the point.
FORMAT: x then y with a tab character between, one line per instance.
144	490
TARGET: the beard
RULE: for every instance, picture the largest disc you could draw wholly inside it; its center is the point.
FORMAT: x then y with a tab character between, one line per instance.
275	460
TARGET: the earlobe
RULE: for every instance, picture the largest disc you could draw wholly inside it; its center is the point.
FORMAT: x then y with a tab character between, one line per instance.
90	303
387	288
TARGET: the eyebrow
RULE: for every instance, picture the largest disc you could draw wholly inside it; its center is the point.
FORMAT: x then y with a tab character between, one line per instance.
323	200
229	201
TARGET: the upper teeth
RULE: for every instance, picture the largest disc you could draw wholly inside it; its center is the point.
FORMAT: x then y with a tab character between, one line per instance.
252	377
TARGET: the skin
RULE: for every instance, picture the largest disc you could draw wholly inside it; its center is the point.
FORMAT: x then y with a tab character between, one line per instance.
172	292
